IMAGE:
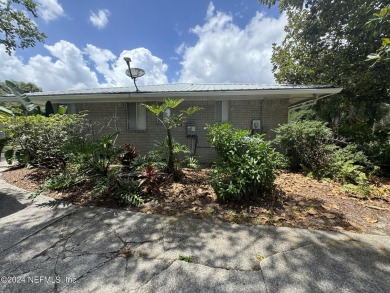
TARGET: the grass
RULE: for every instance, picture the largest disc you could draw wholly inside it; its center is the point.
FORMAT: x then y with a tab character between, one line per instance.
186	258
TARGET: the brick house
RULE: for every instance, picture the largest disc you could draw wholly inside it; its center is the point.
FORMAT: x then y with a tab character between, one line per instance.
260	108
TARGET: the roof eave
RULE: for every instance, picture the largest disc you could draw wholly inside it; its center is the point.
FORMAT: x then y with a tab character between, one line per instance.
310	93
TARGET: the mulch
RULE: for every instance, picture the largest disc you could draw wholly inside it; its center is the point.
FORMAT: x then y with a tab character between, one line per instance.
298	201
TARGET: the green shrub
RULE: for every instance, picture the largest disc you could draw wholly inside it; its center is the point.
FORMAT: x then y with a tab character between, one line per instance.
122	189
375	143
245	165
171	121
348	165
40	139
307	144
192	162
179	152
92	157
152	158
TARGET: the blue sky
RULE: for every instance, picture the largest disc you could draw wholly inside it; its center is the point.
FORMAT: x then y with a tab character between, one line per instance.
173	41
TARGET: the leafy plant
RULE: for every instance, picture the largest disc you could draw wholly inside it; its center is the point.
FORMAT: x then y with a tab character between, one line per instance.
150	180
179	151
192	162
128	192
29	106
307	144
124	190
153	158
38	140
128	156
92	157
245	165
349	166
169	122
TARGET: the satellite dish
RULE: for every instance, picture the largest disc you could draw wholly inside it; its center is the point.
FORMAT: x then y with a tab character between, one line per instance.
135	72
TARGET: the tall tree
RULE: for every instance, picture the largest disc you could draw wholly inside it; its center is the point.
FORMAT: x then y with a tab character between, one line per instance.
327	42
17	30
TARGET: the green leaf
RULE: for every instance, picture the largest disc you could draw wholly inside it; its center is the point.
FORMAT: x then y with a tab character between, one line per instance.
5	112
30	107
385	41
171	103
192	110
373	56
62	109
155	108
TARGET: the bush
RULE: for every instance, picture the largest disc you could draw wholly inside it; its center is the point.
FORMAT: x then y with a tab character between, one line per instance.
38	140
92	157
375	143
348	165
124	190
307	144
245	165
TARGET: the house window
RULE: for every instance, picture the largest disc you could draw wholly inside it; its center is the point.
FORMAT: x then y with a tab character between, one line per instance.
136	116
221	111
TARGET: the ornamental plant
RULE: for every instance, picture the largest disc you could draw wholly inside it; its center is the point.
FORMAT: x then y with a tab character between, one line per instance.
245	166
170	121
38	140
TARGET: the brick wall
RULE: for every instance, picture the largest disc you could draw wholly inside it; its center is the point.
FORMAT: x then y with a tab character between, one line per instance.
271	112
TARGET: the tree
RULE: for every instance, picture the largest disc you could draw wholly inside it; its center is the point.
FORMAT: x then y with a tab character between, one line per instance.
17	30
380	23
327	42
170	121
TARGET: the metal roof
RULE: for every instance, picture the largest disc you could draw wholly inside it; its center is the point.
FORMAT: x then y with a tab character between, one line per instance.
183	88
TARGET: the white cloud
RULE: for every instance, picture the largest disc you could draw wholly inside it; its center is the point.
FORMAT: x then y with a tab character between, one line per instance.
99	19
69	67
50	9
113	68
225	52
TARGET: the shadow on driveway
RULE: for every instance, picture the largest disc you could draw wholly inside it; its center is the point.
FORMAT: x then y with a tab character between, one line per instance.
9	205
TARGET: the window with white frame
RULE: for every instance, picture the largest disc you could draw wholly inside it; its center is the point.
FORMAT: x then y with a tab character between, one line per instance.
136	116
221	111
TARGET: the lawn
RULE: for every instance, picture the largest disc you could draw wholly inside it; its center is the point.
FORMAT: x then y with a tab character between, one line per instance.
298	201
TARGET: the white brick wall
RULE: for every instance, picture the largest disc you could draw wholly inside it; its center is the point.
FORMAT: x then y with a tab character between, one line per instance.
271	112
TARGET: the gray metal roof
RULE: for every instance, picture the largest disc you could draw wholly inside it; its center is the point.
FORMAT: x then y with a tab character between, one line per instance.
183	88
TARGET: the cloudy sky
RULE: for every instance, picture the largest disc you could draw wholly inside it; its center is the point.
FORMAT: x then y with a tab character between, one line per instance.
174	41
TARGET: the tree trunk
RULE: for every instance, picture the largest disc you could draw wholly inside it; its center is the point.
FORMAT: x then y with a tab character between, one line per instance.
171	162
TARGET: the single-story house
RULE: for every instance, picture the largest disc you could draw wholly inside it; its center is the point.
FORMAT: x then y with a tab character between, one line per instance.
260	108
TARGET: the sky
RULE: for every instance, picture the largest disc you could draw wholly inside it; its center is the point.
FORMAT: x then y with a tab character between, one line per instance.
174	41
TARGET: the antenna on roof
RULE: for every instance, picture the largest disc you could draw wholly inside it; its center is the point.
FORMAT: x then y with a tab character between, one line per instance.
134	73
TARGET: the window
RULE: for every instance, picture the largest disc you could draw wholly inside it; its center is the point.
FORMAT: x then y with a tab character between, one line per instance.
136	116
221	111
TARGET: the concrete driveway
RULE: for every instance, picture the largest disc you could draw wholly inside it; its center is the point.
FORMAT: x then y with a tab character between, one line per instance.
52	246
